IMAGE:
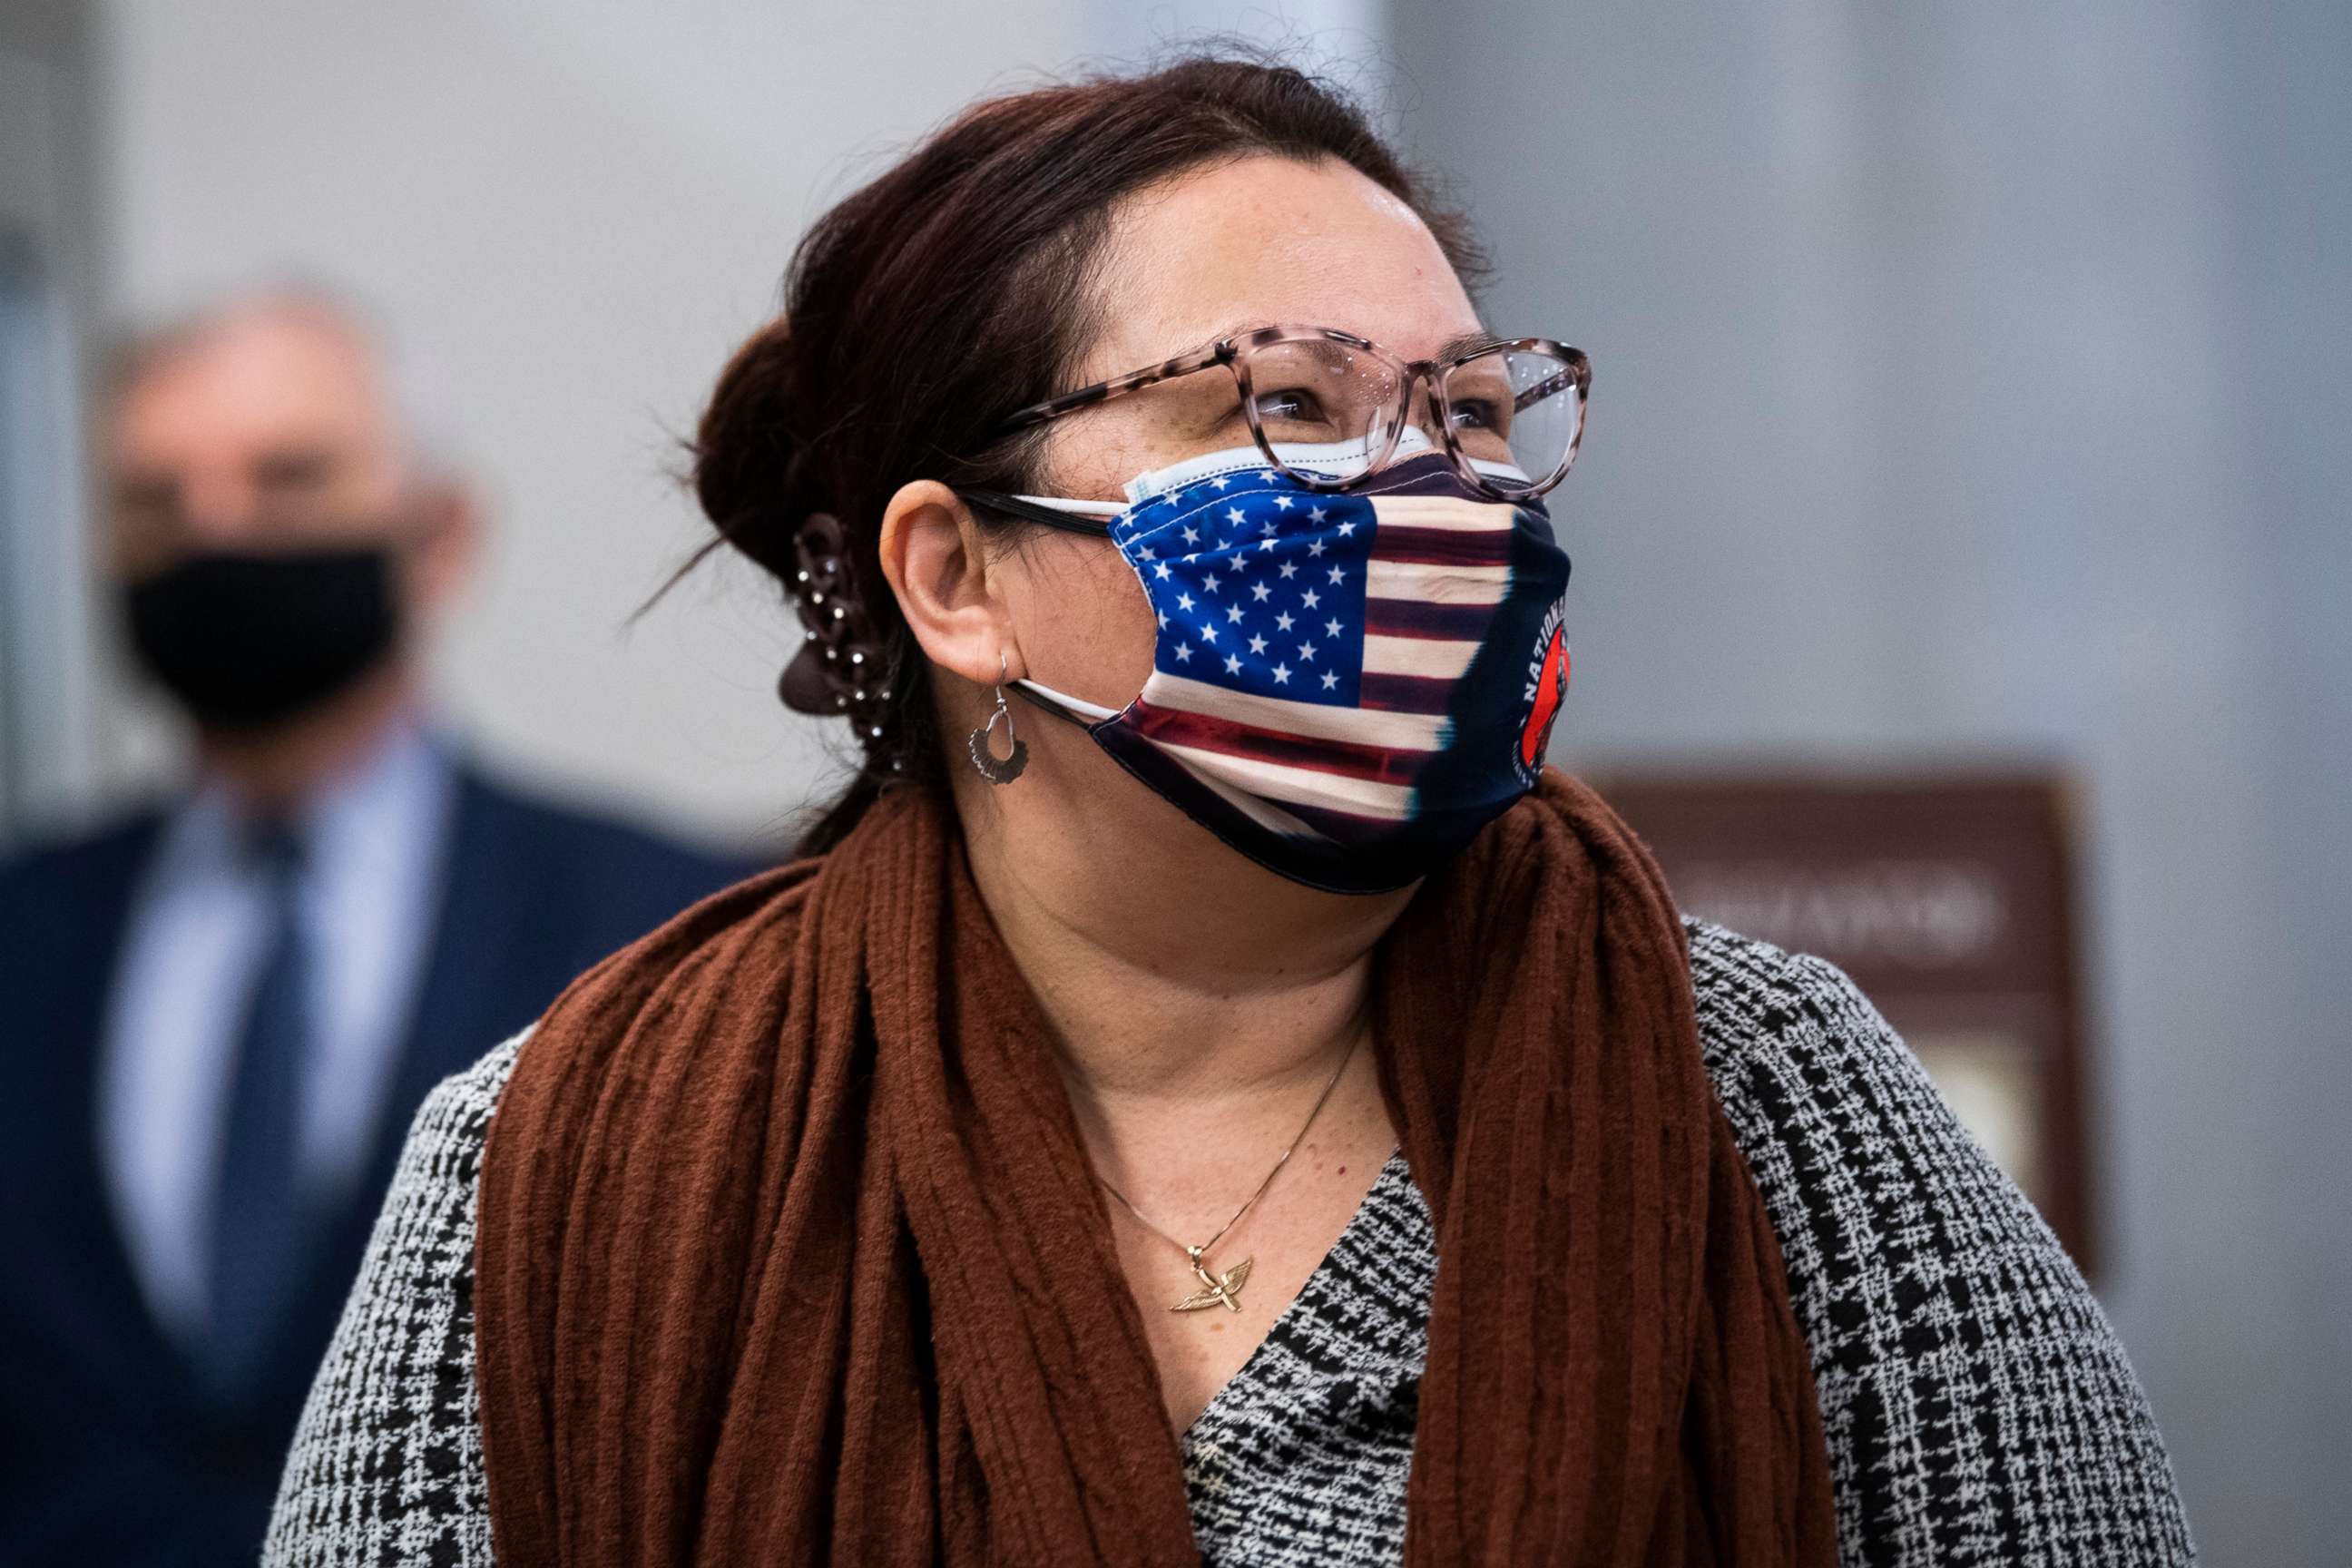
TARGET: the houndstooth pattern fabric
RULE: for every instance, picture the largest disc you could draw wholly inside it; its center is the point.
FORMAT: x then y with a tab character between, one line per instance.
387	1467
1302	1456
1979	1408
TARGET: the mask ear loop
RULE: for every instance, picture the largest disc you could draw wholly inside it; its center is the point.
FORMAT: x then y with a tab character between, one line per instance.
1060	705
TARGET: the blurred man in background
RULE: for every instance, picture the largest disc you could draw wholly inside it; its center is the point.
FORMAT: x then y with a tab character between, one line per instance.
219	1017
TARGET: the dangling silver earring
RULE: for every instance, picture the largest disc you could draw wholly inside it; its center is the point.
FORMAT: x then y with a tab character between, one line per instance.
994	769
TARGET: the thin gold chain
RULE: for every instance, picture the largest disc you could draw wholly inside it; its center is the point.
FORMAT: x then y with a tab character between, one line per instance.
1185	1247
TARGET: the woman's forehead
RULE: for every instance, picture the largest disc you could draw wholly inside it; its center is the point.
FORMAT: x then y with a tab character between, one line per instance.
1269	239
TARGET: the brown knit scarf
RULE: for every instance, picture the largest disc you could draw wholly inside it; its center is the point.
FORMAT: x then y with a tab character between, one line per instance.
790	1251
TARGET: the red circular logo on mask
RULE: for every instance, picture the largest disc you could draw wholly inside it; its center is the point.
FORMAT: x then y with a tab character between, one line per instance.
1552	687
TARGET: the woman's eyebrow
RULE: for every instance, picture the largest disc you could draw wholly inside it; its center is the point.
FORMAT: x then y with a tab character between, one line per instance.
1462	343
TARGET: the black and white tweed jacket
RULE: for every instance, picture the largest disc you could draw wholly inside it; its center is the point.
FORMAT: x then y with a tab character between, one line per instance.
1977	1406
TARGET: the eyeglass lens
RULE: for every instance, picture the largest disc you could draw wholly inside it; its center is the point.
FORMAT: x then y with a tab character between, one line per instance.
1334	406
1518	407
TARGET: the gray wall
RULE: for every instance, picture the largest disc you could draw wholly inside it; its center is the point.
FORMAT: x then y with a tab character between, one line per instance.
50	243
1969	382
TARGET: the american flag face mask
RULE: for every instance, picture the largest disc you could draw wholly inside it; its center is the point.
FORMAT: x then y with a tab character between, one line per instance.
1347	686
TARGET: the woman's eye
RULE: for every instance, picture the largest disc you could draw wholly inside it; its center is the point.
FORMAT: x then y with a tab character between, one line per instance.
1477	414
1291	405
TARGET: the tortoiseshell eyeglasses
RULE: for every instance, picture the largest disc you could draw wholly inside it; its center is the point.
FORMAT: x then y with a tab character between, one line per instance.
1328	407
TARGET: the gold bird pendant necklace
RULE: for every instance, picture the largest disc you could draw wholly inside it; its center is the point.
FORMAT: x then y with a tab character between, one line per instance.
1225	1289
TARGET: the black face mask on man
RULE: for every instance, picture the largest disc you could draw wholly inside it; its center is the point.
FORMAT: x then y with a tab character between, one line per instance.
246	642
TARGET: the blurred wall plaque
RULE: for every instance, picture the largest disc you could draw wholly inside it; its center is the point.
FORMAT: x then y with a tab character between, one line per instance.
1949	901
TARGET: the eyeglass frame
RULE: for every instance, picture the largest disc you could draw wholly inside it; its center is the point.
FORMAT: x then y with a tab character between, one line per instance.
1233	353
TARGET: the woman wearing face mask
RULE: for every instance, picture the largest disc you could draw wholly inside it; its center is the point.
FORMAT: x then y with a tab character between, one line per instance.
1208	1091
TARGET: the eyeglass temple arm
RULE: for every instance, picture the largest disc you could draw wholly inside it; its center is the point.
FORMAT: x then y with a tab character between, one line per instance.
1103	391
1044	516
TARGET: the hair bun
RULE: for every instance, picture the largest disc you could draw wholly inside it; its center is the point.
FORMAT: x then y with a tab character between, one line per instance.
745	449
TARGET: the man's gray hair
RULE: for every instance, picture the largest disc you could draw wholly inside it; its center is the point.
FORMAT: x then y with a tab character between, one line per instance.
415	393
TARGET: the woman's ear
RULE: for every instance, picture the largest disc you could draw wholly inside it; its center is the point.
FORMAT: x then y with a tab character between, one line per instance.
934	554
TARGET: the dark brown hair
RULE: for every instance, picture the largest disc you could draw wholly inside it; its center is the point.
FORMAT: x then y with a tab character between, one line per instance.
930	303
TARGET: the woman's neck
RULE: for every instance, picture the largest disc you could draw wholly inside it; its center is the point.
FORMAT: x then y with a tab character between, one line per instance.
1175	973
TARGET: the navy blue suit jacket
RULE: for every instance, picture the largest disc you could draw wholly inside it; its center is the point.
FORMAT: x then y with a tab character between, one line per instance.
108	1454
